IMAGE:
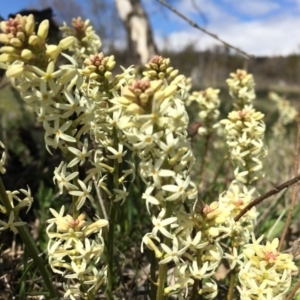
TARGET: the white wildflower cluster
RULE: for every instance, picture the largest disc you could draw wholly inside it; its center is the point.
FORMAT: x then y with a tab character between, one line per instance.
286	114
75	249
209	103
61	99
244	131
16	204
236	198
146	118
241	88
86	43
266	272
153	119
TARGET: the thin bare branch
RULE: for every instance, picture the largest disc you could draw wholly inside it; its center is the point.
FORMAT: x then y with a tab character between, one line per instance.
295	187
293	292
267	195
195	25
200	12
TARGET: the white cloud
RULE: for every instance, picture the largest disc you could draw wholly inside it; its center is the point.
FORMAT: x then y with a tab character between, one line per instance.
278	36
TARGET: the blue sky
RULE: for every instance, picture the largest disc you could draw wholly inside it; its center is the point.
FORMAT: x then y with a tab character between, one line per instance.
260	27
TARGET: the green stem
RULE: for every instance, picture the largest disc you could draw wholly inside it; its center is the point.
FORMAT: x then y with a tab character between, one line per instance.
231	286
29	244
91	295
204	155
74	198
162	270
110	252
153	267
112	221
197	283
195	289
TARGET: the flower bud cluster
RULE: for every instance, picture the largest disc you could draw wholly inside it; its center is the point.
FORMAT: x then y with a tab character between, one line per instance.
22	44
87	42
160	68
244	130
287	114
241	88
99	66
208	103
265	273
73	254
16	34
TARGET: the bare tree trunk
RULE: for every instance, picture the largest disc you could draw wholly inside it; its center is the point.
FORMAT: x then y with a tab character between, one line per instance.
140	40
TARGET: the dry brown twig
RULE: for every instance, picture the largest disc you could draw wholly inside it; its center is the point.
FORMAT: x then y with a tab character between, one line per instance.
195	25
295	187
268	194
295	289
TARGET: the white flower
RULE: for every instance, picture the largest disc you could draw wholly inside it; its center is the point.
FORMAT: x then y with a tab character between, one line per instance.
147	140
209	290
170	145
63	177
72	291
59	133
117	154
160	224
11	224
147	240
121	195
148	170
238	156
82	194
128	172
183	280
178	191
98	278
72	107
27	201
234	258
45	95
149	198
81	156
172	254
201	273
47	76
195	242
78	269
